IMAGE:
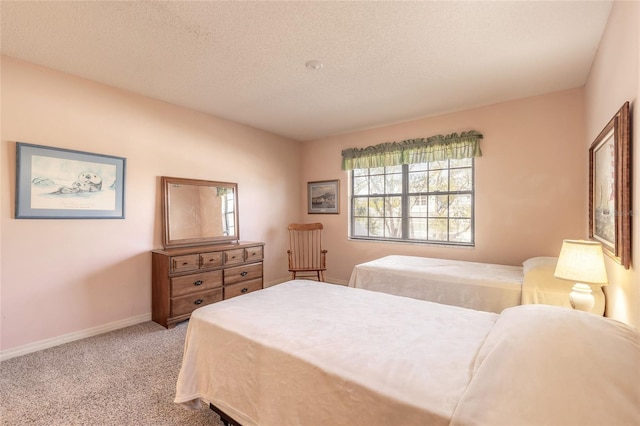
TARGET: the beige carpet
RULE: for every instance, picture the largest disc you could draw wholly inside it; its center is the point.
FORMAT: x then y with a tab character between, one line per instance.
125	377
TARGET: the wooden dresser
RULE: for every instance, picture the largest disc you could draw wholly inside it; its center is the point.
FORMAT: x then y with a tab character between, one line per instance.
187	278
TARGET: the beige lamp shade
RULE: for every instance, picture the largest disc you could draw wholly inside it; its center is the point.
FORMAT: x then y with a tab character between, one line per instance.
581	261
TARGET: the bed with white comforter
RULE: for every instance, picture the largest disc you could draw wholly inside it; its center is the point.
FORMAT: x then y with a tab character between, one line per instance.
474	285
309	353
481	286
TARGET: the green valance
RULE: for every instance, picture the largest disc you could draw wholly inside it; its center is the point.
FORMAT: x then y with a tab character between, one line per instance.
411	151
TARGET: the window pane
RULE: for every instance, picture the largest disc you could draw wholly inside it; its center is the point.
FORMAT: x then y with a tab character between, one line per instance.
460	230
394	184
360	227
460	179
460	206
438	205
360	172
376	206
393	227
438	229
360	185
376	171
376	184
376	227
418	206
418	229
439	181
418	182
393	207
394	169
361	207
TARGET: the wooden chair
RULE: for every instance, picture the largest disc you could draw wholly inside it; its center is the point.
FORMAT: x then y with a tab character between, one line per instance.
306	256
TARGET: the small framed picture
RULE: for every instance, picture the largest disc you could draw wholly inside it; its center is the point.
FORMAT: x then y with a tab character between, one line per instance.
56	183
323	197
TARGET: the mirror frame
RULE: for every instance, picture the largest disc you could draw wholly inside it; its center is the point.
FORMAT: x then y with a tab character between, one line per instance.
167	241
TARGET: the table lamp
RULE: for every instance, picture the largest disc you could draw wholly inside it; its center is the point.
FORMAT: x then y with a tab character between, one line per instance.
582	262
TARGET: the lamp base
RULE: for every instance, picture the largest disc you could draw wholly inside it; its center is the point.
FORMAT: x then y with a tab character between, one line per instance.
581	297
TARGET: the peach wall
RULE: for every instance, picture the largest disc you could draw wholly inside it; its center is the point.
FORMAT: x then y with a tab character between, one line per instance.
61	276
613	80
529	182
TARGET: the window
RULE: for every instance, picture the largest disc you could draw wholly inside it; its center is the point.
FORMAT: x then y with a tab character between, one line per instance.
424	202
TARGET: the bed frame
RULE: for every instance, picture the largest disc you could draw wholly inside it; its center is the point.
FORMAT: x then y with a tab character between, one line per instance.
226	419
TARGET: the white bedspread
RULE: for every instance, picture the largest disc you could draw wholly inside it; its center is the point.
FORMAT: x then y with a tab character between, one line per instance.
480	286
308	353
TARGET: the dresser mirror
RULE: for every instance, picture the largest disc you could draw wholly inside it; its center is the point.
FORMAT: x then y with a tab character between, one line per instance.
197	212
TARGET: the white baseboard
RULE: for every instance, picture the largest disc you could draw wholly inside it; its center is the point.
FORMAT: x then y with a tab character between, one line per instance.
76	335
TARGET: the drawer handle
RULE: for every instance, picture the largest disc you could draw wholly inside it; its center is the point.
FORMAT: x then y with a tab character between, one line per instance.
198	302
243	273
199	282
244	290
185	263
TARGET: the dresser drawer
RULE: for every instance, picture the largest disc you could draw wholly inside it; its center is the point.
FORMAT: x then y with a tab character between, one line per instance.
187	304
233	256
242	288
253	253
187	277
196	282
242	273
211	259
189	262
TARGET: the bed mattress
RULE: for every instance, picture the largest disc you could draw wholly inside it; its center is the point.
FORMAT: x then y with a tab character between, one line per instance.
481	286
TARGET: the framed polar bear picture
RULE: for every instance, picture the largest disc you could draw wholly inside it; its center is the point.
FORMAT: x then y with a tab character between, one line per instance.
57	183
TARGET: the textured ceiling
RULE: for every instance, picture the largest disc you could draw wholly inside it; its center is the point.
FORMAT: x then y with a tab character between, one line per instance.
384	61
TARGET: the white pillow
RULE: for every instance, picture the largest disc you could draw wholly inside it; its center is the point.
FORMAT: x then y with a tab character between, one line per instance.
539	263
553	366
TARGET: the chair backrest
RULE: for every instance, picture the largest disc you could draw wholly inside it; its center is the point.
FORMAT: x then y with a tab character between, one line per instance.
305	247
